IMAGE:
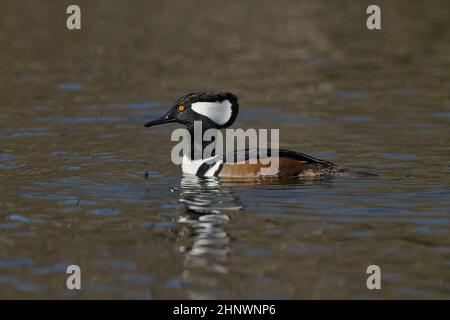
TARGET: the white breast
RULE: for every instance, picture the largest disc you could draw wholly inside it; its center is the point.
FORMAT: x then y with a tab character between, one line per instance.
191	166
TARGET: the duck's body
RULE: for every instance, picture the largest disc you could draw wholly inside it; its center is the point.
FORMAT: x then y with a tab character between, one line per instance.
218	110
290	164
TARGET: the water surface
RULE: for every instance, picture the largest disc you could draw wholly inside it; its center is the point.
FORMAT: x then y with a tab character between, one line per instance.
74	152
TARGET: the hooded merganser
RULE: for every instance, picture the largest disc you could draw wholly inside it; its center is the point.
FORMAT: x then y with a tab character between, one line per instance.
218	110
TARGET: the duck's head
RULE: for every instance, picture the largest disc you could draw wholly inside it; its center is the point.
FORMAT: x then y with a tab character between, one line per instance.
214	109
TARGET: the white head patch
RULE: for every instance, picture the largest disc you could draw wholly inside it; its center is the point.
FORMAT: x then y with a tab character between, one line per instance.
219	112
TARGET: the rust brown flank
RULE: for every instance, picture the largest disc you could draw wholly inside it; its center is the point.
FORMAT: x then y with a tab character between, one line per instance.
288	167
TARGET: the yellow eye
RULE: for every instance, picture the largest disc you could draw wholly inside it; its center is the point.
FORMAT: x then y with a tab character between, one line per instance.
180	108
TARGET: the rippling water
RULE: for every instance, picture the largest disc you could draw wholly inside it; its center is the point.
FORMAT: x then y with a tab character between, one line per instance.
83	182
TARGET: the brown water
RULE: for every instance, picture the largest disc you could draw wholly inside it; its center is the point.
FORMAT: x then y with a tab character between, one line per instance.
73	150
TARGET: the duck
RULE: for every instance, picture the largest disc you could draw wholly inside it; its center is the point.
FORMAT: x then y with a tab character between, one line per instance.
219	110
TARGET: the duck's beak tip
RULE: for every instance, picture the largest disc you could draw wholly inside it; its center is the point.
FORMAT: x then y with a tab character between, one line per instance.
162	120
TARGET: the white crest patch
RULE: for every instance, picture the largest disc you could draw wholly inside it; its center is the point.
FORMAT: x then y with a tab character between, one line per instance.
219	112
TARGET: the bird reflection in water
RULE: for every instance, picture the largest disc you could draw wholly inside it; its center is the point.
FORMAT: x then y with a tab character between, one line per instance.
207	206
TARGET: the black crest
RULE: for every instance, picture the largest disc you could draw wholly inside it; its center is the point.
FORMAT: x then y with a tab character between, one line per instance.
190	98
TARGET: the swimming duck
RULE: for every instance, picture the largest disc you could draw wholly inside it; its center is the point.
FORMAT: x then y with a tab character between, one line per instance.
219	110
